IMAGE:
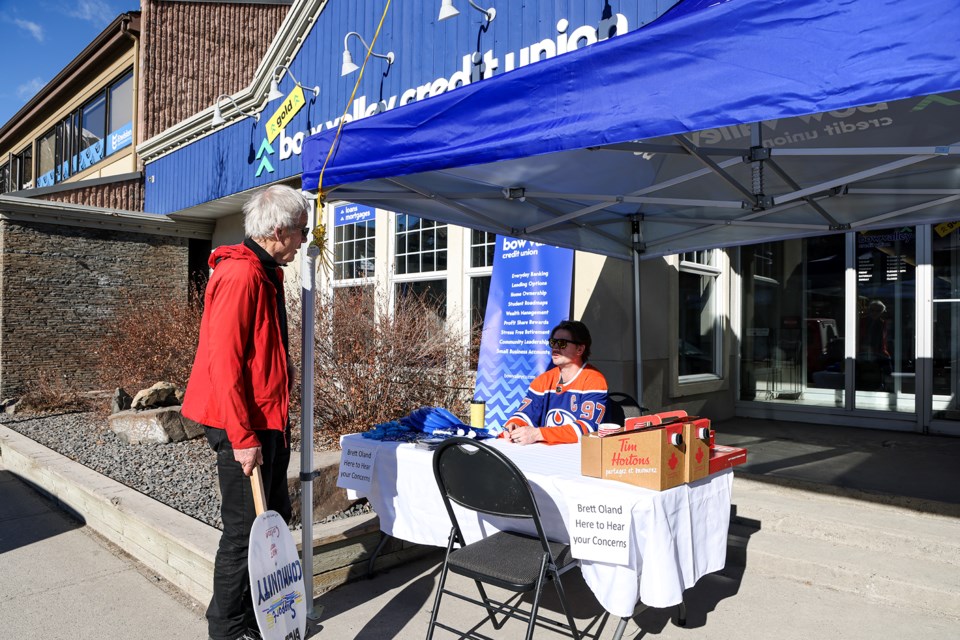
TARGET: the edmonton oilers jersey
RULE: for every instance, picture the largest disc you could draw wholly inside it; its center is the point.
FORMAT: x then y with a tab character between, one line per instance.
564	415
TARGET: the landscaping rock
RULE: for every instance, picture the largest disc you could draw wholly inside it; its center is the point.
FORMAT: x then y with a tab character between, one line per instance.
162	394
153	425
121	401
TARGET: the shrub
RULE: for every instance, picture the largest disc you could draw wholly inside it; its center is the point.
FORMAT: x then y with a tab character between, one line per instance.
51	393
373	363
150	340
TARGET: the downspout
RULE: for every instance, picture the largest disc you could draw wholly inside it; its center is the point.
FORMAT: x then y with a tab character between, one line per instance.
135	116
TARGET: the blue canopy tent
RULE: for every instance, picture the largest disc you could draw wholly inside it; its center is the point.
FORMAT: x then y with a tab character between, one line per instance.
721	123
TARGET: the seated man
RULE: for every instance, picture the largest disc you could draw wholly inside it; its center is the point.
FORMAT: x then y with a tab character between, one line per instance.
566	401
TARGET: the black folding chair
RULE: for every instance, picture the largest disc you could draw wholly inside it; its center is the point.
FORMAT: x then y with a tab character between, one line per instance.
480	478
621	406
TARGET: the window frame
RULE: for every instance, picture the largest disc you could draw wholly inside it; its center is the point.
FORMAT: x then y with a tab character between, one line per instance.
719	379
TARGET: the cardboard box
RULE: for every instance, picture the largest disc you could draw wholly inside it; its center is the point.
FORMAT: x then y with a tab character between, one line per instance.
644	457
722	457
696	438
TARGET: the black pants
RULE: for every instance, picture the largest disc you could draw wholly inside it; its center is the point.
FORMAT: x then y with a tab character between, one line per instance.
230	612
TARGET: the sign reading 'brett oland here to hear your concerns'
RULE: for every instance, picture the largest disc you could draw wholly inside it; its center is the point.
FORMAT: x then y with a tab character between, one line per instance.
356	468
599	529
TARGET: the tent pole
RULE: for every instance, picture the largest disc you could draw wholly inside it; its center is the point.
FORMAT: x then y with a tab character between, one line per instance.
308	272
636	238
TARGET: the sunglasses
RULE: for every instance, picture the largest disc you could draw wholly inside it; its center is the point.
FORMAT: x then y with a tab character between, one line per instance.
560	343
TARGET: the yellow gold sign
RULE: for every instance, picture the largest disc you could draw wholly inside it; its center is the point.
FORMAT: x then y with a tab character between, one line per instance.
291	105
946	228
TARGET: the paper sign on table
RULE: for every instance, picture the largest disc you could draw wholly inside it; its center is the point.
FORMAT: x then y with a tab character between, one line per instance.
356	467
599	529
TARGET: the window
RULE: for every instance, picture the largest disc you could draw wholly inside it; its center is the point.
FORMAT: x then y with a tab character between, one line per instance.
4	177
353	250
101	127
482	248
421	245
22	170
121	114
93	122
482	245
67	137
698	349
46	158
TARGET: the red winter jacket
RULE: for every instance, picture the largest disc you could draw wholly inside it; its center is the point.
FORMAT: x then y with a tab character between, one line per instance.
239	377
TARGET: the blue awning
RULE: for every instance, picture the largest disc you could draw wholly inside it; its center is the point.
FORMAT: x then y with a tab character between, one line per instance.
846	105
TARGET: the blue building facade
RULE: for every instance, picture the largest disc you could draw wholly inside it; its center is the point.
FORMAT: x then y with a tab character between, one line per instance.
430	57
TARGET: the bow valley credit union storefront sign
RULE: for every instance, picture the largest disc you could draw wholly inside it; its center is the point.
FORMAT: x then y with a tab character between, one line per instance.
473	67
256	153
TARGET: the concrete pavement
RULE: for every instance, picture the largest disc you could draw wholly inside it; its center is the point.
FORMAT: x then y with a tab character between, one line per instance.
59	581
839	533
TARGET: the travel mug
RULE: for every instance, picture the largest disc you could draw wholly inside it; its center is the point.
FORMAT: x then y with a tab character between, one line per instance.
478	410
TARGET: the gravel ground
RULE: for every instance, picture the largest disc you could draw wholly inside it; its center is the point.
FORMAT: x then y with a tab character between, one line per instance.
182	475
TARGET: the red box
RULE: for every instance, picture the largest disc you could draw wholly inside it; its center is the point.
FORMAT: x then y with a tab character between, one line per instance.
696	439
722	457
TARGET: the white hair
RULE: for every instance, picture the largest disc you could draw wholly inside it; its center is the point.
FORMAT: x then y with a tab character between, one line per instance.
273	207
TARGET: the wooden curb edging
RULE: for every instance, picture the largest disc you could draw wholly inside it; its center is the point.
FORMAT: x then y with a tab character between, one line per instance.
178	547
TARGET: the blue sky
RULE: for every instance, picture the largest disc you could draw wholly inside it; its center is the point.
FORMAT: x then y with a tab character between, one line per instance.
41	36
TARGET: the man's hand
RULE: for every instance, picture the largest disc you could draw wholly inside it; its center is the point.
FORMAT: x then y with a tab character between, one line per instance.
248	458
525	435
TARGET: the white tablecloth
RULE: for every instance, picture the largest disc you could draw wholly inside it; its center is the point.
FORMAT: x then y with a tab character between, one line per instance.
678	535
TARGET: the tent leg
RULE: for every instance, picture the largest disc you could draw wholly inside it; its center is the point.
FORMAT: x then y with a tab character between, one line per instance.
308	310
635	224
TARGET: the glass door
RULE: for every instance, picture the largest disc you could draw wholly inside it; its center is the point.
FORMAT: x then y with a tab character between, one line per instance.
885	365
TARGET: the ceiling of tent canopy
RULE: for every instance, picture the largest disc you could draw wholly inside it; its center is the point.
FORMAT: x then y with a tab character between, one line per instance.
821	130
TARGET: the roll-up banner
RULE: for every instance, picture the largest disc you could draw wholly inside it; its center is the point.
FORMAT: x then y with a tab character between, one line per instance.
530	293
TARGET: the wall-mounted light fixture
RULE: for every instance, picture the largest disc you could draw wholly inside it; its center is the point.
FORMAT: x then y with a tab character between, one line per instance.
218	117
447	10
349	66
275	94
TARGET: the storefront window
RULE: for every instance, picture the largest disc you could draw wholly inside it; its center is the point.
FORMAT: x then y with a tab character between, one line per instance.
796	335
699	335
421	245
946	319
354	250
886	311
793	321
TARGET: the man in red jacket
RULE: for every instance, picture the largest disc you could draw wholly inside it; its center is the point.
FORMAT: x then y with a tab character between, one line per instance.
239	389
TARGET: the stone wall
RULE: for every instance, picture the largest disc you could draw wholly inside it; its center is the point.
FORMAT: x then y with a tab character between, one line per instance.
59	287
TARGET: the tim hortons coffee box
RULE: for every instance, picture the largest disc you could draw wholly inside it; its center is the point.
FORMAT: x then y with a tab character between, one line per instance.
653	458
696	437
722	457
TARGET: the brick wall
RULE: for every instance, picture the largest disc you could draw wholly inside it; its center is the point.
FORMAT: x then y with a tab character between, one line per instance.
58	287
127	195
192	52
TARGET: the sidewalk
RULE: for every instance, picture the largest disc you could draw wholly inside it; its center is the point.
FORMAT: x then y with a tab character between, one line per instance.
839	533
61	582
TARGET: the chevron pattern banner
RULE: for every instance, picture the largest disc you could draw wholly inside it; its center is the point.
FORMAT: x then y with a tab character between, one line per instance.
530	292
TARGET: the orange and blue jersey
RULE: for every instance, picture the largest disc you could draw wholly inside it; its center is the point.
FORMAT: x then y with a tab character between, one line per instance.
564	412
